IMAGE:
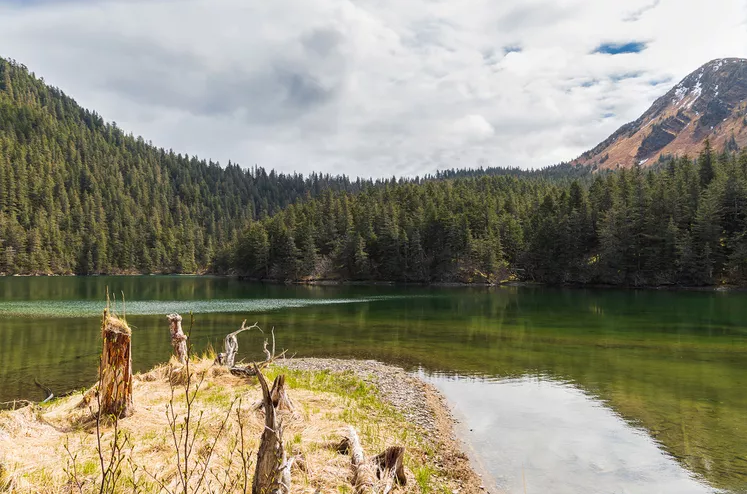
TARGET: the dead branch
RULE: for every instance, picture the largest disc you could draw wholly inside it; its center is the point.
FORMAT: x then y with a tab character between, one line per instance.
231	345
46	389
249	370
267	352
272	472
178	338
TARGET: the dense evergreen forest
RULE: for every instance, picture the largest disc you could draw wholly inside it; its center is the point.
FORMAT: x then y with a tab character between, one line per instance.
681	222
78	195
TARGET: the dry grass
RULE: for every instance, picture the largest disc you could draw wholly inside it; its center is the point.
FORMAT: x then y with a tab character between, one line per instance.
44	448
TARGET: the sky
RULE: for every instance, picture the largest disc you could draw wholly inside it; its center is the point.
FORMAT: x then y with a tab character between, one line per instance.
370	88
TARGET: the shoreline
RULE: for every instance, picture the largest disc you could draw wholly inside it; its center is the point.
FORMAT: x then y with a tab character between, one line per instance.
423	405
435	284
386	404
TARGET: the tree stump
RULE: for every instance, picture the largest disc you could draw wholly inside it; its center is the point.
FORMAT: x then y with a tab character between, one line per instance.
178	338
115	369
377	475
390	467
279	396
272	472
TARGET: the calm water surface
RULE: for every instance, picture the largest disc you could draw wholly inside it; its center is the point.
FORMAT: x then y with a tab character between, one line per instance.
560	391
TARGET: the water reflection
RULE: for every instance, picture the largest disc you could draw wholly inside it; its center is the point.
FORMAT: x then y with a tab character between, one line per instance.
537	435
672	364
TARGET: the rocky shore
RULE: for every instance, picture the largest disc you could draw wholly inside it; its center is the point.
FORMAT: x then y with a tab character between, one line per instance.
422	405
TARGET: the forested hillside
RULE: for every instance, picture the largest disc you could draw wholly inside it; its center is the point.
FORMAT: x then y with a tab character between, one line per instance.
79	195
684	222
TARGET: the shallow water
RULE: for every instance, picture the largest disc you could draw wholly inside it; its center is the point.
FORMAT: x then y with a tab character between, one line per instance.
540	435
564	390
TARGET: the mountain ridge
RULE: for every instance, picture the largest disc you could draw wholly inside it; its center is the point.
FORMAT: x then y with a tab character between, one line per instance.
709	103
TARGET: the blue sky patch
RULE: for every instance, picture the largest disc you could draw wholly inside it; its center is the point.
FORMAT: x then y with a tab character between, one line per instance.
625	75
620	48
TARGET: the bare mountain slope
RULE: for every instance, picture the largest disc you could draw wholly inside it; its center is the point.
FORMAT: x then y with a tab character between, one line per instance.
709	103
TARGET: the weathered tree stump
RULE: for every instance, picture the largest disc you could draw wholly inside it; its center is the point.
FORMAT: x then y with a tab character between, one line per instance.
390	467
272	472
279	395
115	371
377	475
178	338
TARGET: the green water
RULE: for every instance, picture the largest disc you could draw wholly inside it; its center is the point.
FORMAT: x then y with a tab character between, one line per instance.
660	376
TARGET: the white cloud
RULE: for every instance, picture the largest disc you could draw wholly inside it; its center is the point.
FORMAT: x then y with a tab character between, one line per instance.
369	87
473	128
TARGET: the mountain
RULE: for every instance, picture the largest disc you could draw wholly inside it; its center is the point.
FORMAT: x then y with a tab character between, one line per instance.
79	195
710	103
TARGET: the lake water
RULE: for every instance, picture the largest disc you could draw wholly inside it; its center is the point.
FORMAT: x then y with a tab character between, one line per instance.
560	391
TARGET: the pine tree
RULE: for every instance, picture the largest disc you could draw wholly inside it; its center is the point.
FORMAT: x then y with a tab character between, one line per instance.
705	163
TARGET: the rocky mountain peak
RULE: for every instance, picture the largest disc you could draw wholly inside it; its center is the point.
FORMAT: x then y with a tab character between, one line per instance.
711	102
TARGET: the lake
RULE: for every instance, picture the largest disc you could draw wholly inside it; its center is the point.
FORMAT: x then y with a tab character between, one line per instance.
558	390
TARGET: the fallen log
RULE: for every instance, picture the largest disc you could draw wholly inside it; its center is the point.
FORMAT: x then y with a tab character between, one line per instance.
364	477
178	338
115	369
273	469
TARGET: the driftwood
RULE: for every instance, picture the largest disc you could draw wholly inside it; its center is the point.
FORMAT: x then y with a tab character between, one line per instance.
178	338
273	469
231	345
364	476
46	389
378	475
115	371
248	370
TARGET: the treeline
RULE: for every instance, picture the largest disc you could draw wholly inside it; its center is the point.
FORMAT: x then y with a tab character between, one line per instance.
559	172
684	222
78	195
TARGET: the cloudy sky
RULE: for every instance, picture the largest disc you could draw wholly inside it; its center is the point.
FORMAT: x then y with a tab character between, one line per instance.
371	87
